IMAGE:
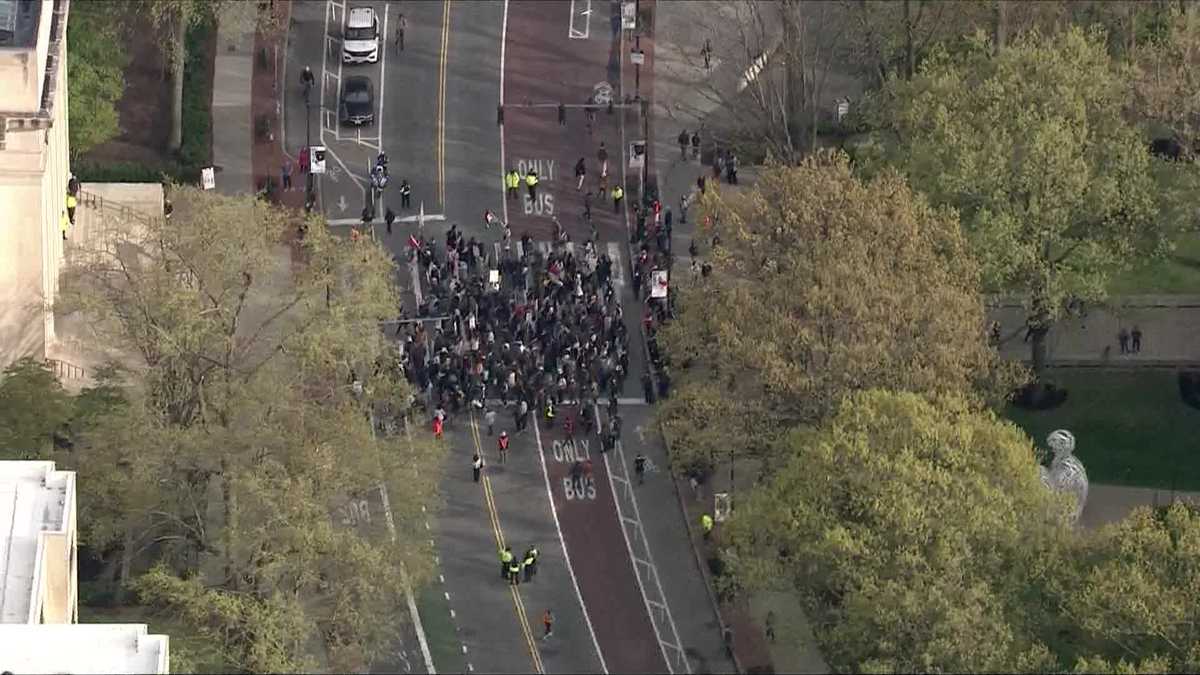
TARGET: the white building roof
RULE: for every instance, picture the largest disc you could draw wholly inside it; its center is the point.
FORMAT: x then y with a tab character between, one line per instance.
33	499
82	648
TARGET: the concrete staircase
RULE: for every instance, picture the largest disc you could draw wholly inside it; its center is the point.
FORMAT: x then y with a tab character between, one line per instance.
102	223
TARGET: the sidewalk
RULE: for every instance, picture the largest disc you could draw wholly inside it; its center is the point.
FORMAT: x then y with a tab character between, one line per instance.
679	102
1169	325
1111	503
244	89
233	134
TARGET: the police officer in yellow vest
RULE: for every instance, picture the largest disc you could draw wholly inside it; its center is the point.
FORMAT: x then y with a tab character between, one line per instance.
706	524
512	183
618	193
530	563
506	558
71	203
531	182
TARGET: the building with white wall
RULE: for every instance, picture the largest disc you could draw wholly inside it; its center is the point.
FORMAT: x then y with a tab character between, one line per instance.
34	170
39	585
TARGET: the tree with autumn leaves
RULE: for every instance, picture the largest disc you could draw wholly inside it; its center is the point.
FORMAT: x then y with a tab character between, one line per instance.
822	284
231	434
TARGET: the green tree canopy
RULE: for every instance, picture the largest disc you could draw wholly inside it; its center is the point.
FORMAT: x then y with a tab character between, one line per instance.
1134	594
33	406
823	284
238	434
96	60
1052	184
918	532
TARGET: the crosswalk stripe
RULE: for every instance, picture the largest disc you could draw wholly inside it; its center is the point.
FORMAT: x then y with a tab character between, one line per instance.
618	266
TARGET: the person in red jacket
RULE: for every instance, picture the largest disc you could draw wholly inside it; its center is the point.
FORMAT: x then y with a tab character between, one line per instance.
438	426
502	444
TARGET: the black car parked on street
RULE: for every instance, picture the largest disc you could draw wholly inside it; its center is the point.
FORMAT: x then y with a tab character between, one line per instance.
357	103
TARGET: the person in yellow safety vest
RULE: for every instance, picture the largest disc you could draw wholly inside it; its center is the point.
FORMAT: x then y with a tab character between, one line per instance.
512	183
71	203
506	557
618	193
514	572
531	182
63	224
530	563
706	525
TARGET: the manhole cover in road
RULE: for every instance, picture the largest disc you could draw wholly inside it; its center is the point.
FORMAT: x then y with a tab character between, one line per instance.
602	94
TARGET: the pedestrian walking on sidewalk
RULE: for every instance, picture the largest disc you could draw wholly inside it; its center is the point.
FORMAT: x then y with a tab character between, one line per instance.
639	467
405	194
580	174
548	623
695	145
367	216
683	144
618	194
389	218
1136	334
701	183
285	175
401	26
490	418
502	446
587	206
718	165
731	168
476	466
1123	340
602	157
684	202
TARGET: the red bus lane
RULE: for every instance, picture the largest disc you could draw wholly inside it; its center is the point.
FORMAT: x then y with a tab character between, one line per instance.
600	557
545	67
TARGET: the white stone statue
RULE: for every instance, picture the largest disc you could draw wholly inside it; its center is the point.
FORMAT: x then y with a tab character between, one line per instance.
1066	473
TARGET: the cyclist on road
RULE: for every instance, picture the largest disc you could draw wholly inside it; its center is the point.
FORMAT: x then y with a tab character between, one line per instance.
307	80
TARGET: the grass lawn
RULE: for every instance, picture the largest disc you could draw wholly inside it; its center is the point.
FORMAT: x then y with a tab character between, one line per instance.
1131	427
188	652
440	631
1179	272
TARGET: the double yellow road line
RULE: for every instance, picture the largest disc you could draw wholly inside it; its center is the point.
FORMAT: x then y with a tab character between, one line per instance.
440	150
494	515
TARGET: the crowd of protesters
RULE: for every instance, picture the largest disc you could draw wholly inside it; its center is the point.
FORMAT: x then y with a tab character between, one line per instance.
547	337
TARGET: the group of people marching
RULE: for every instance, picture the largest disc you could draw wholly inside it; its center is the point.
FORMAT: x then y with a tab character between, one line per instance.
548	337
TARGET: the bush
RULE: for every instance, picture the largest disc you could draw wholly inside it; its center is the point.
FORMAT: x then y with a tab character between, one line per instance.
196	150
120	172
1189	387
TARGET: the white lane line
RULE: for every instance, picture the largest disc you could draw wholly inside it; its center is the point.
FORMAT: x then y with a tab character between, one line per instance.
382	80
417	626
503	40
633	560
537	435
649	562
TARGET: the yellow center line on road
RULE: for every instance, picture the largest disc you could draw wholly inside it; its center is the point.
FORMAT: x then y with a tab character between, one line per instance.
494	516
441	109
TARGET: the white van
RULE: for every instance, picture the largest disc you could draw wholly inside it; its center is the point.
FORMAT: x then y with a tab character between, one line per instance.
360	41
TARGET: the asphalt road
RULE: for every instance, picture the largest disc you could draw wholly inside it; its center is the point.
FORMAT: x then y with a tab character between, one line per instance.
436	119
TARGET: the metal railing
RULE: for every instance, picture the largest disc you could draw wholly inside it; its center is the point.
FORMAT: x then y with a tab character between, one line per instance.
66	371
